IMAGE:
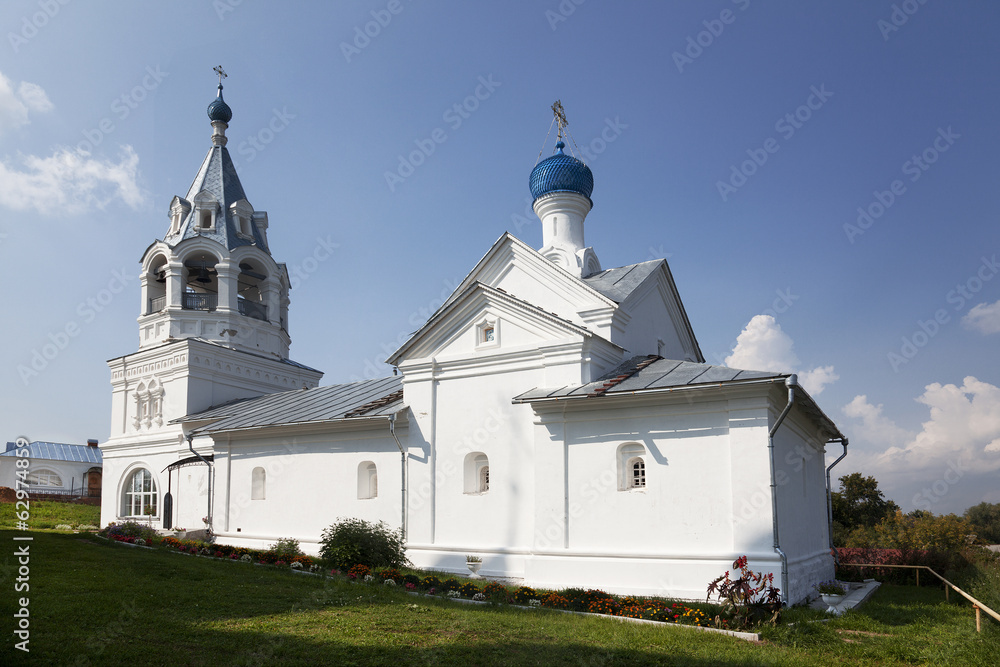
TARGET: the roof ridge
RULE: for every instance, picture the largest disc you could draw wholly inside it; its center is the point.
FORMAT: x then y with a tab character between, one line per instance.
377	403
618	379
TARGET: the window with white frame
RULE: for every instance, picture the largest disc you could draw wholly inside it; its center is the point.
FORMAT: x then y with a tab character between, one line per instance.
637	472
258	479
631	466
44	477
477	473
139	496
367	480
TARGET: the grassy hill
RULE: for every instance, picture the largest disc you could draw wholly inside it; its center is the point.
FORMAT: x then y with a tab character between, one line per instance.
96	603
47	514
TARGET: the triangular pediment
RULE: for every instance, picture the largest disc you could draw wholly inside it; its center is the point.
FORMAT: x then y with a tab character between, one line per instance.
518	269
483	320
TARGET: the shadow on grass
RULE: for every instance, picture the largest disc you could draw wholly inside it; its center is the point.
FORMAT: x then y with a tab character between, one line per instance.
95	603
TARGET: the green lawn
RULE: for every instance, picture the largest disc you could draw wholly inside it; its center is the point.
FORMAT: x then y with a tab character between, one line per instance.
95	603
47	514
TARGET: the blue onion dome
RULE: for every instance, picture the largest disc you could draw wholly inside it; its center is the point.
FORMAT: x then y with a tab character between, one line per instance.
561	173
219	110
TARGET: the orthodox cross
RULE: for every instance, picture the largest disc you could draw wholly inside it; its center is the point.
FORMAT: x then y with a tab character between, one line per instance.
560	116
221	72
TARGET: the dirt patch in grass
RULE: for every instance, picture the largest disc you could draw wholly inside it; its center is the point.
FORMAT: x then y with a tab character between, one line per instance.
862	632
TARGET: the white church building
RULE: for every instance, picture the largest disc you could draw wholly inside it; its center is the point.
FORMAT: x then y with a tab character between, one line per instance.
554	417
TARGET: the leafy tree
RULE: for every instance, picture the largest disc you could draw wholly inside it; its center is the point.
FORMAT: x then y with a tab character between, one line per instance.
860	503
985	519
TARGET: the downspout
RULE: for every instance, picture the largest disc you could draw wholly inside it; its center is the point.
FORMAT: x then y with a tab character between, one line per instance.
829	500
791	382
403	470
210	471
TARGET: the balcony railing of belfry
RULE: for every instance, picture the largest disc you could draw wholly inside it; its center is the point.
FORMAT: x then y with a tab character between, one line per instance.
258	311
193	301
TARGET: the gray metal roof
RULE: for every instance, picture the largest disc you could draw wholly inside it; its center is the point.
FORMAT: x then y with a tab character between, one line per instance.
55	451
618	283
645	374
366	398
633	375
218	176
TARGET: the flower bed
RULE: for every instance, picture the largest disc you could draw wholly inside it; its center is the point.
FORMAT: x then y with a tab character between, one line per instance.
591	601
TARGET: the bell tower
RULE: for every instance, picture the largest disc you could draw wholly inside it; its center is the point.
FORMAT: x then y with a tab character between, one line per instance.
212	276
213	328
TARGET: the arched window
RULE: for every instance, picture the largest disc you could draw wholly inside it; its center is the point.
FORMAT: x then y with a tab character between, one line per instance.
139	497
637	470
631	466
44	477
367	480
258	479
477	473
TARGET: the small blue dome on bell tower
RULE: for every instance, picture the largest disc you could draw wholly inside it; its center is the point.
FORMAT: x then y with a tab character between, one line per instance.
219	110
561	173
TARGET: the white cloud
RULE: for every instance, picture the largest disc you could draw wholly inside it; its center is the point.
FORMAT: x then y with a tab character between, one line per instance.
815	380
70	182
14	106
984	318
34	97
876	427
763	346
964	425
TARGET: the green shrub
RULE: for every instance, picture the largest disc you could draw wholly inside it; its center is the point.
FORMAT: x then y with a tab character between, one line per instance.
286	549
430	581
352	541
450	584
468	589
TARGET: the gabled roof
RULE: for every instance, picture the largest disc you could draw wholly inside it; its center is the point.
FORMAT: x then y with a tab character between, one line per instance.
508	239
453	303
618	284
649	374
353	400
217	176
54	451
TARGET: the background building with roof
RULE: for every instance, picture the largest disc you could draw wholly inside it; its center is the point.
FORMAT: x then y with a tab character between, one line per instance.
554	417
55	469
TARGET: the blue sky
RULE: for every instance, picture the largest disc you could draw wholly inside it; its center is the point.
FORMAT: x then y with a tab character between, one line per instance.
737	138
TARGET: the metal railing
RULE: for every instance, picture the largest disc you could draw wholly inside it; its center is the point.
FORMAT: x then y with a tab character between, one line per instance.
157	303
976	604
258	311
195	301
